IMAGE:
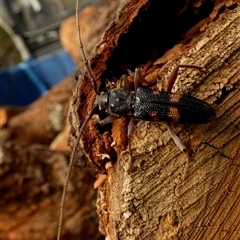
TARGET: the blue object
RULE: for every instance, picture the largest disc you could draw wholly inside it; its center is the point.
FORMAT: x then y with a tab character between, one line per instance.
22	84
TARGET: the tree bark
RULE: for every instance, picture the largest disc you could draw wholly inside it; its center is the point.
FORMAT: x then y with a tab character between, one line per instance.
168	194
35	154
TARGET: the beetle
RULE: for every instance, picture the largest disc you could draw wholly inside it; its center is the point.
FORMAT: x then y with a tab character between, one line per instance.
140	103
145	104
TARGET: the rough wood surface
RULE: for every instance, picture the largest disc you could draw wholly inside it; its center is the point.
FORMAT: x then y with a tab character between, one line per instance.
34	154
168	195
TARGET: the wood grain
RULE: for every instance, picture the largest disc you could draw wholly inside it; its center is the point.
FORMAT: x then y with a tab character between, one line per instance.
168	195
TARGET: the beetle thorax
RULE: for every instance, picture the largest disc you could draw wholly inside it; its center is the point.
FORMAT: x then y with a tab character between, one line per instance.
117	101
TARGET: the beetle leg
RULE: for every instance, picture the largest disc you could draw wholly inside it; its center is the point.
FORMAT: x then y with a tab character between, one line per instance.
176	139
137	78
130	72
173	76
170	84
126	83
131	126
108	119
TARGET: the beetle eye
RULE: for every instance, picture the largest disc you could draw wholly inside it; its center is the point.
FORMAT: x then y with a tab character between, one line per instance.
102	100
112	107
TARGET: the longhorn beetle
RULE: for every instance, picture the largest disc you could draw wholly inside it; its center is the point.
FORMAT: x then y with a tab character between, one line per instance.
141	103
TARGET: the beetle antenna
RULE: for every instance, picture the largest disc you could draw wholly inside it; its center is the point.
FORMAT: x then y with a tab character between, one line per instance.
83	55
91	113
72	159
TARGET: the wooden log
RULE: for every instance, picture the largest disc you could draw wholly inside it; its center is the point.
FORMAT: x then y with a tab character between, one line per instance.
34	159
31	186
8	112
167	194
94	20
45	117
